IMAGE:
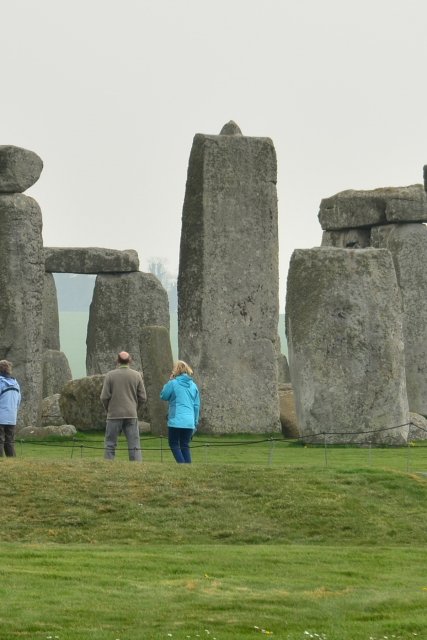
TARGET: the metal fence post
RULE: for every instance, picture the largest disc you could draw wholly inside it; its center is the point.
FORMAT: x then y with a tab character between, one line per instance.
270	453
326	449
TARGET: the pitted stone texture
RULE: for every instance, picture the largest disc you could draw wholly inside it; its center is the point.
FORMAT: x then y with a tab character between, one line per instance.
51	412
157	364
63	430
230	129
56	372
21	299
408	246
228	282
351	209
90	260
283	373
50	314
19	169
417	428
121	305
288	414
345	346
347	239
81	406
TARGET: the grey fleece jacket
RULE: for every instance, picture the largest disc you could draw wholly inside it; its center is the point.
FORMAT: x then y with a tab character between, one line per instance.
122	392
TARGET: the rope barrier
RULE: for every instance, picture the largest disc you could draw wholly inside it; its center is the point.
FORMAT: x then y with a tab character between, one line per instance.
77	443
317	439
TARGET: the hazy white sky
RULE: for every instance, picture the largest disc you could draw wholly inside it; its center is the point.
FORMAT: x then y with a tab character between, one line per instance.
110	94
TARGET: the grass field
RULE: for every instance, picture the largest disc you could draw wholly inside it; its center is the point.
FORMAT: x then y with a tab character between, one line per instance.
241	544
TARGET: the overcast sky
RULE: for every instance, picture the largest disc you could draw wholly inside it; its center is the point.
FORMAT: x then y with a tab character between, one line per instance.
111	93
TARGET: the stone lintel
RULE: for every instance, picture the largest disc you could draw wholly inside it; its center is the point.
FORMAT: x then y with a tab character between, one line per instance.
19	168
351	209
90	260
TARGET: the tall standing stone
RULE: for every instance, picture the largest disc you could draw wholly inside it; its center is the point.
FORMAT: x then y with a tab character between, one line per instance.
56	372
50	314
345	342
21	297
122	303
408	246
228	281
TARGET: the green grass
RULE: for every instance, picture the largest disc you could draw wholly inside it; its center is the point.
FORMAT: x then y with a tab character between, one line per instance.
101	502
231	548
211	591
238	449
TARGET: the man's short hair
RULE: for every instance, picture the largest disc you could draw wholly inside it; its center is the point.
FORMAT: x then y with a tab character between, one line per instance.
123	357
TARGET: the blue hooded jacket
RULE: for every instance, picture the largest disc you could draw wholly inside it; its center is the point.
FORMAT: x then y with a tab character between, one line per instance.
184	402
10	399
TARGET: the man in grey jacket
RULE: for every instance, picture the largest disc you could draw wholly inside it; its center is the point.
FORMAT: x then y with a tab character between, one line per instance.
122	393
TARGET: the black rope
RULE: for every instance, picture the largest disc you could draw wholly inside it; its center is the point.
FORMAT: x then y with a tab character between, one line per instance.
76	443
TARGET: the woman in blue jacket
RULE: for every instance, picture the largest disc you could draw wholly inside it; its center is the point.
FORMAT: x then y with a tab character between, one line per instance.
10	399
183	396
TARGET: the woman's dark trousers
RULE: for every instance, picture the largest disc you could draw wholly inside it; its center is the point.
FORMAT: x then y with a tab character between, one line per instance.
179	443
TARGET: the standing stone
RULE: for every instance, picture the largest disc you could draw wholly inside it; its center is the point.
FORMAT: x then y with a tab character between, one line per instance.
19	169
122	304
345	342
288	415
21	297
408	246
80	405
283	373
157	364
228	281
417	428
347	239
56	372
51	412
50	314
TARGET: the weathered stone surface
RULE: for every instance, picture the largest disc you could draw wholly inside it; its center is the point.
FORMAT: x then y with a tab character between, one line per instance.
21	297
122	304
283	373
230	129
144	427
56	372
64	430
408	246
90	260
228	282
288	415
50	314
351	209
425	177
347	239
80	404
345	345
19	169
51	411
417	428
157	364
